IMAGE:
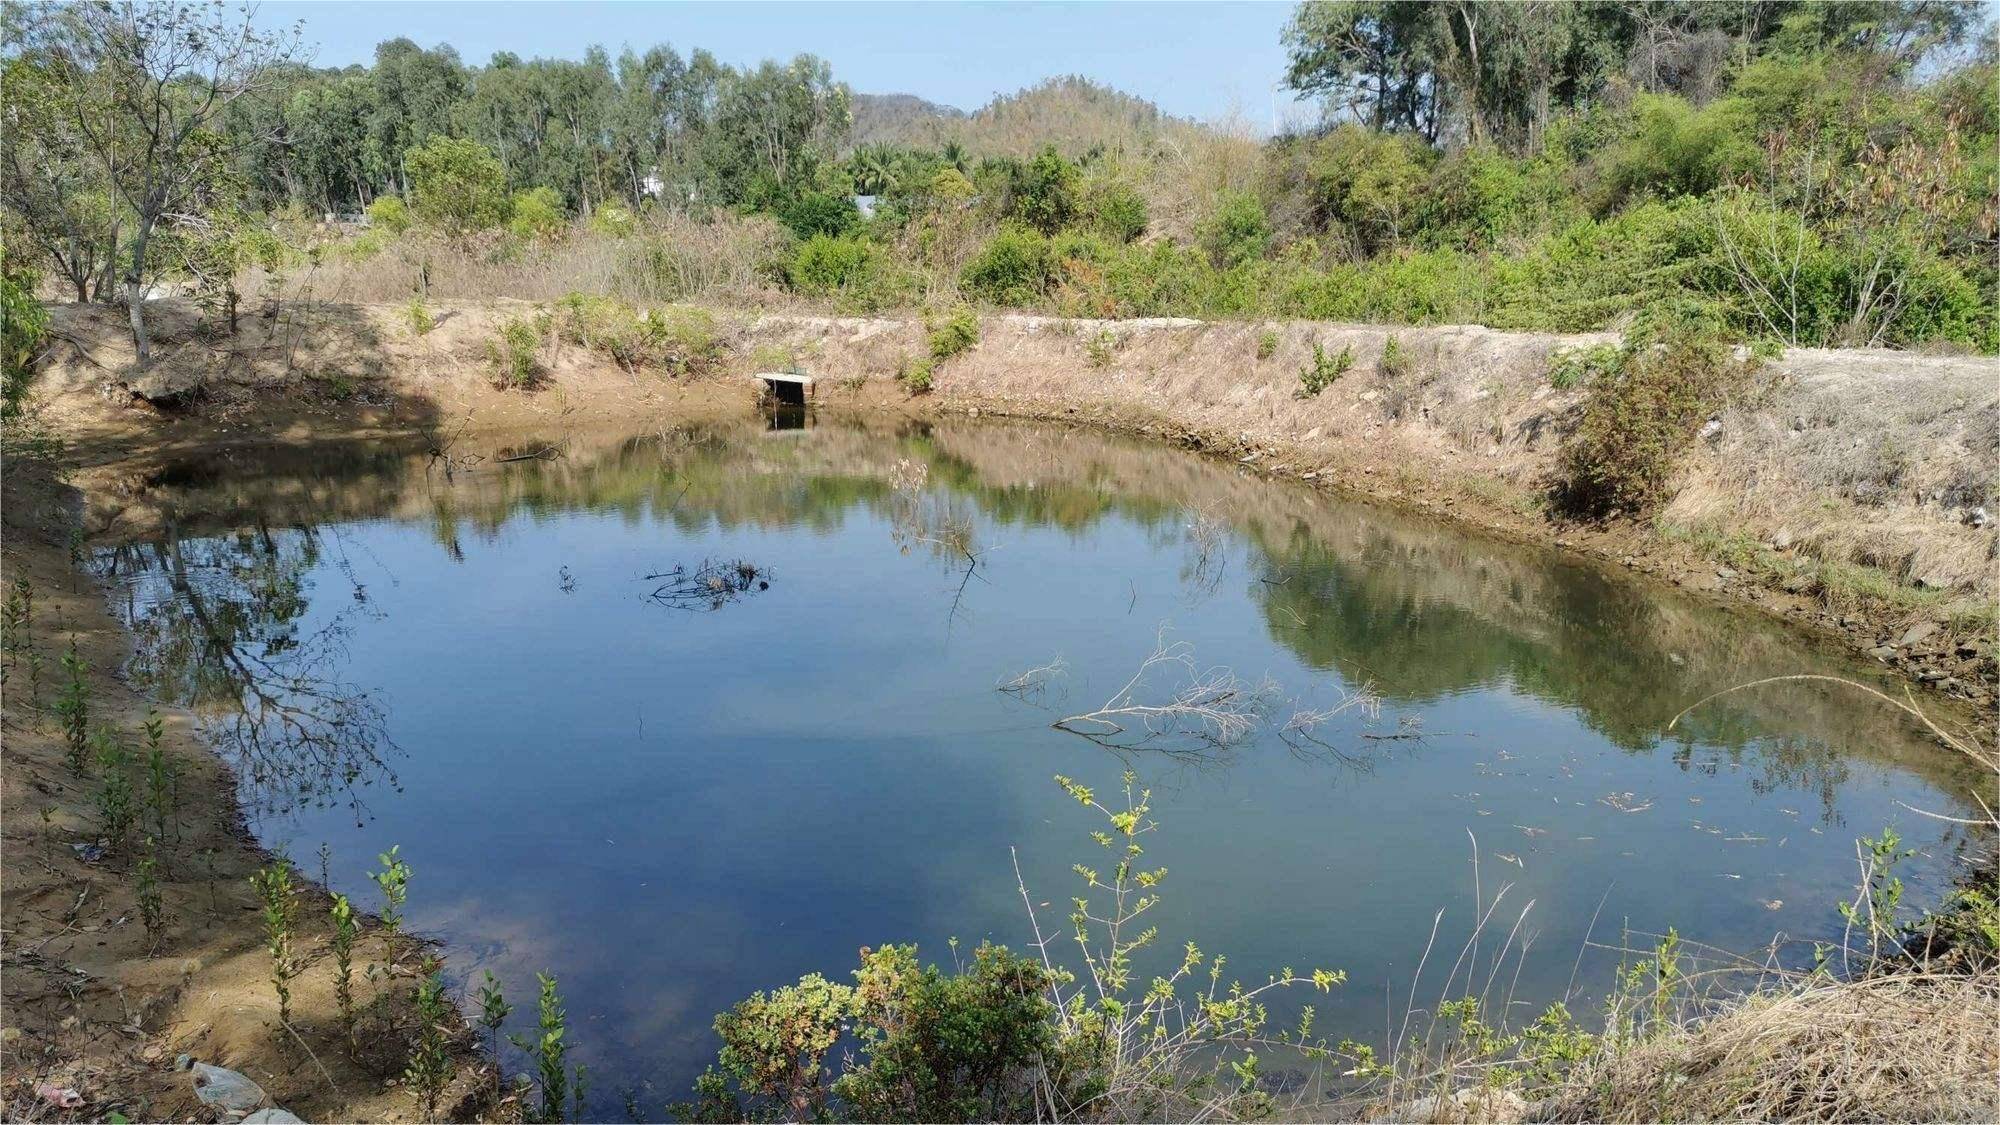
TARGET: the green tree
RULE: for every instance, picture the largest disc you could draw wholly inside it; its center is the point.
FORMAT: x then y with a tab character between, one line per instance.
1046	196
144	87
457	185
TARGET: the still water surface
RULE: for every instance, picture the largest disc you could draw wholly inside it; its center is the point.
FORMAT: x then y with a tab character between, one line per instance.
670	793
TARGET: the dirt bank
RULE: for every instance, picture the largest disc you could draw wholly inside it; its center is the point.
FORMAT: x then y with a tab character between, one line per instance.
95	1002
1852	491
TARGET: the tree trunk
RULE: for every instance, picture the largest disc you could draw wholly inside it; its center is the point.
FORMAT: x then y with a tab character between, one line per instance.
135	298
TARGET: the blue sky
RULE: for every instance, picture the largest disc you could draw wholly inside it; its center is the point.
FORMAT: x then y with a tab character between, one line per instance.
1202	60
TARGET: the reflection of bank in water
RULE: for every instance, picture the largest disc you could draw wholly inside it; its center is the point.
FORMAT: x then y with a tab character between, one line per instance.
786	416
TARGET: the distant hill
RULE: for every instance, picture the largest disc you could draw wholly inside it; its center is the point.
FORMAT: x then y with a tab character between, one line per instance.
899	119
1071	112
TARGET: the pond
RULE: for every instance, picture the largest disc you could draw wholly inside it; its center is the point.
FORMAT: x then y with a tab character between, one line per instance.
680	715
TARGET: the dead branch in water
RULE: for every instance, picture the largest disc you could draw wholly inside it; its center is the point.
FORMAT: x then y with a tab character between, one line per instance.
1211	709
1303	735
711	585
1032	685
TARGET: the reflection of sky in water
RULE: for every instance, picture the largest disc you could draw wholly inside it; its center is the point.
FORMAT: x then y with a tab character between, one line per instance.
669	809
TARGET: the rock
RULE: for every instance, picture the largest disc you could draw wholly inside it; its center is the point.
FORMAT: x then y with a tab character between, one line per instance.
1311	434
1781	539
276	1115
1712	429
1798	584
183	1062
1725	573
1978	517
1917	634
1968	649
1882	652
220	1086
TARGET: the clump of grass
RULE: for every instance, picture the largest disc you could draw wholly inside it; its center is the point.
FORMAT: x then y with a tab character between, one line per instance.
1101	349
1321	373
1267	343
274	887
1573	367
915	375
429	1066
418	316
952	334
515	353
394	879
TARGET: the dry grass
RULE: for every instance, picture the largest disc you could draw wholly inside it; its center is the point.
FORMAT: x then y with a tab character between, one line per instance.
1898	1047
669	258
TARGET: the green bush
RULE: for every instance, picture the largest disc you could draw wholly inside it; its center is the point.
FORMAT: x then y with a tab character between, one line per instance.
1045	195
1675	149
955	332
819	214
674	341
1015	267
457	185
515	353
1321	373
825	262
1267	344
1238	231
613	221
388	214
1573	367
917	375
23	321
1117	211
536	213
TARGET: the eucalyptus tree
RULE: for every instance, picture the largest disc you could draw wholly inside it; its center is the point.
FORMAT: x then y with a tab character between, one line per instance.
144	87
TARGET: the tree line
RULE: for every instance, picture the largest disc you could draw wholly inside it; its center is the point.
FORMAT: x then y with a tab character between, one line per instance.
1819	172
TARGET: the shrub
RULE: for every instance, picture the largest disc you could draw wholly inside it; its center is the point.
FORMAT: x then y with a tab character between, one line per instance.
419	317
1572	367
816	214
1045	196
23	320
1267	344
536	213
956	332
1238	231
1396	362
613	221
678	341
1117	211
388	214
826	262
1015	267
514	353
1675	149
457	185
917	376
1101	349
1671	374
1320	374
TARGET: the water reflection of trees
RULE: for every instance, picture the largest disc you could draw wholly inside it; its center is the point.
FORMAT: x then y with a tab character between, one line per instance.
1421	610
222	627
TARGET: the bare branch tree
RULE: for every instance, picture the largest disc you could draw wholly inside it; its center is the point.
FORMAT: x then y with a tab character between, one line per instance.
711	585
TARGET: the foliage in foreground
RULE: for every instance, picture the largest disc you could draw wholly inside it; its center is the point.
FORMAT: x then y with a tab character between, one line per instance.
1011	1037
